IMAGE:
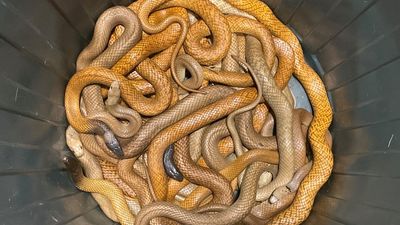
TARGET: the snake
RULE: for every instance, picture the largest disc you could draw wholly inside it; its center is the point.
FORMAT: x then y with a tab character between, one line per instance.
228	63
105	76
218	130
103	187
195	143
187	125
90	142
296	65
160	83
202	176
109	139
183	62
110	173
146	8
232	171
136	182
283	50
233	214
146	68
218	25
226	8
283	196
152	43
205	139
96	54
92	169
268	128
299	210
183	108
209	145
293	185
283	113
195	140
112	106
247	26
249	137
230	120
302	118
185	191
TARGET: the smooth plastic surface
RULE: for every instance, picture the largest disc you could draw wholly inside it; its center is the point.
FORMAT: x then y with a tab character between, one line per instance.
354	44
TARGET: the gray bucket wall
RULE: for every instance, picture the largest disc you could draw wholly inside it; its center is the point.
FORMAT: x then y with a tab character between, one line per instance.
356	42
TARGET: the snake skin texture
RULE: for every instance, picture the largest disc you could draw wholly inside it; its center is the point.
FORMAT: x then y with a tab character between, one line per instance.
180	112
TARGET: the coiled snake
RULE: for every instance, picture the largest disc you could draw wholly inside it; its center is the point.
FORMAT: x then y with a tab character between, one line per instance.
211	135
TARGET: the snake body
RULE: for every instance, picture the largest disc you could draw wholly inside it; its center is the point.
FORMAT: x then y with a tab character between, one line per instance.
148	109
103	187
241	207
185	107
231	118
92	169
91	56
136	182
323	158
119	111
183	127
284	118
231	172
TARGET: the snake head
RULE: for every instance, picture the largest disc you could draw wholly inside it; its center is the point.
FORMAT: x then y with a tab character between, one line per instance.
113	143
169	165
73	141
114	93
278	194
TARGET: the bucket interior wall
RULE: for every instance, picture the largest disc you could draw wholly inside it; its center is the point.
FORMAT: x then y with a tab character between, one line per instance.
355	45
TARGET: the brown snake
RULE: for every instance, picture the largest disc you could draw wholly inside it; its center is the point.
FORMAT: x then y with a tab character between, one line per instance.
302	119
185	107
284	118
323	159
103	187
91	56
230	120
234	213
200	175
218	26
92	169
183	127
231	172
146	69
170	117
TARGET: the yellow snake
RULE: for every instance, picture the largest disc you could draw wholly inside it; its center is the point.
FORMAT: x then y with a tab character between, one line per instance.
299	210
311	82
96	54
103	187
92	169
233	214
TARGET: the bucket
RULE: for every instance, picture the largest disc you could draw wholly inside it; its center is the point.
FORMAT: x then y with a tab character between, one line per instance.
353	44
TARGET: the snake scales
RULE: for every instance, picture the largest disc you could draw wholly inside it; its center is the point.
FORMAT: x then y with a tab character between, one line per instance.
178	77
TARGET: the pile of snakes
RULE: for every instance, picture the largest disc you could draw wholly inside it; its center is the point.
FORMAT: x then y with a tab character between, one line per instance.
180	113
